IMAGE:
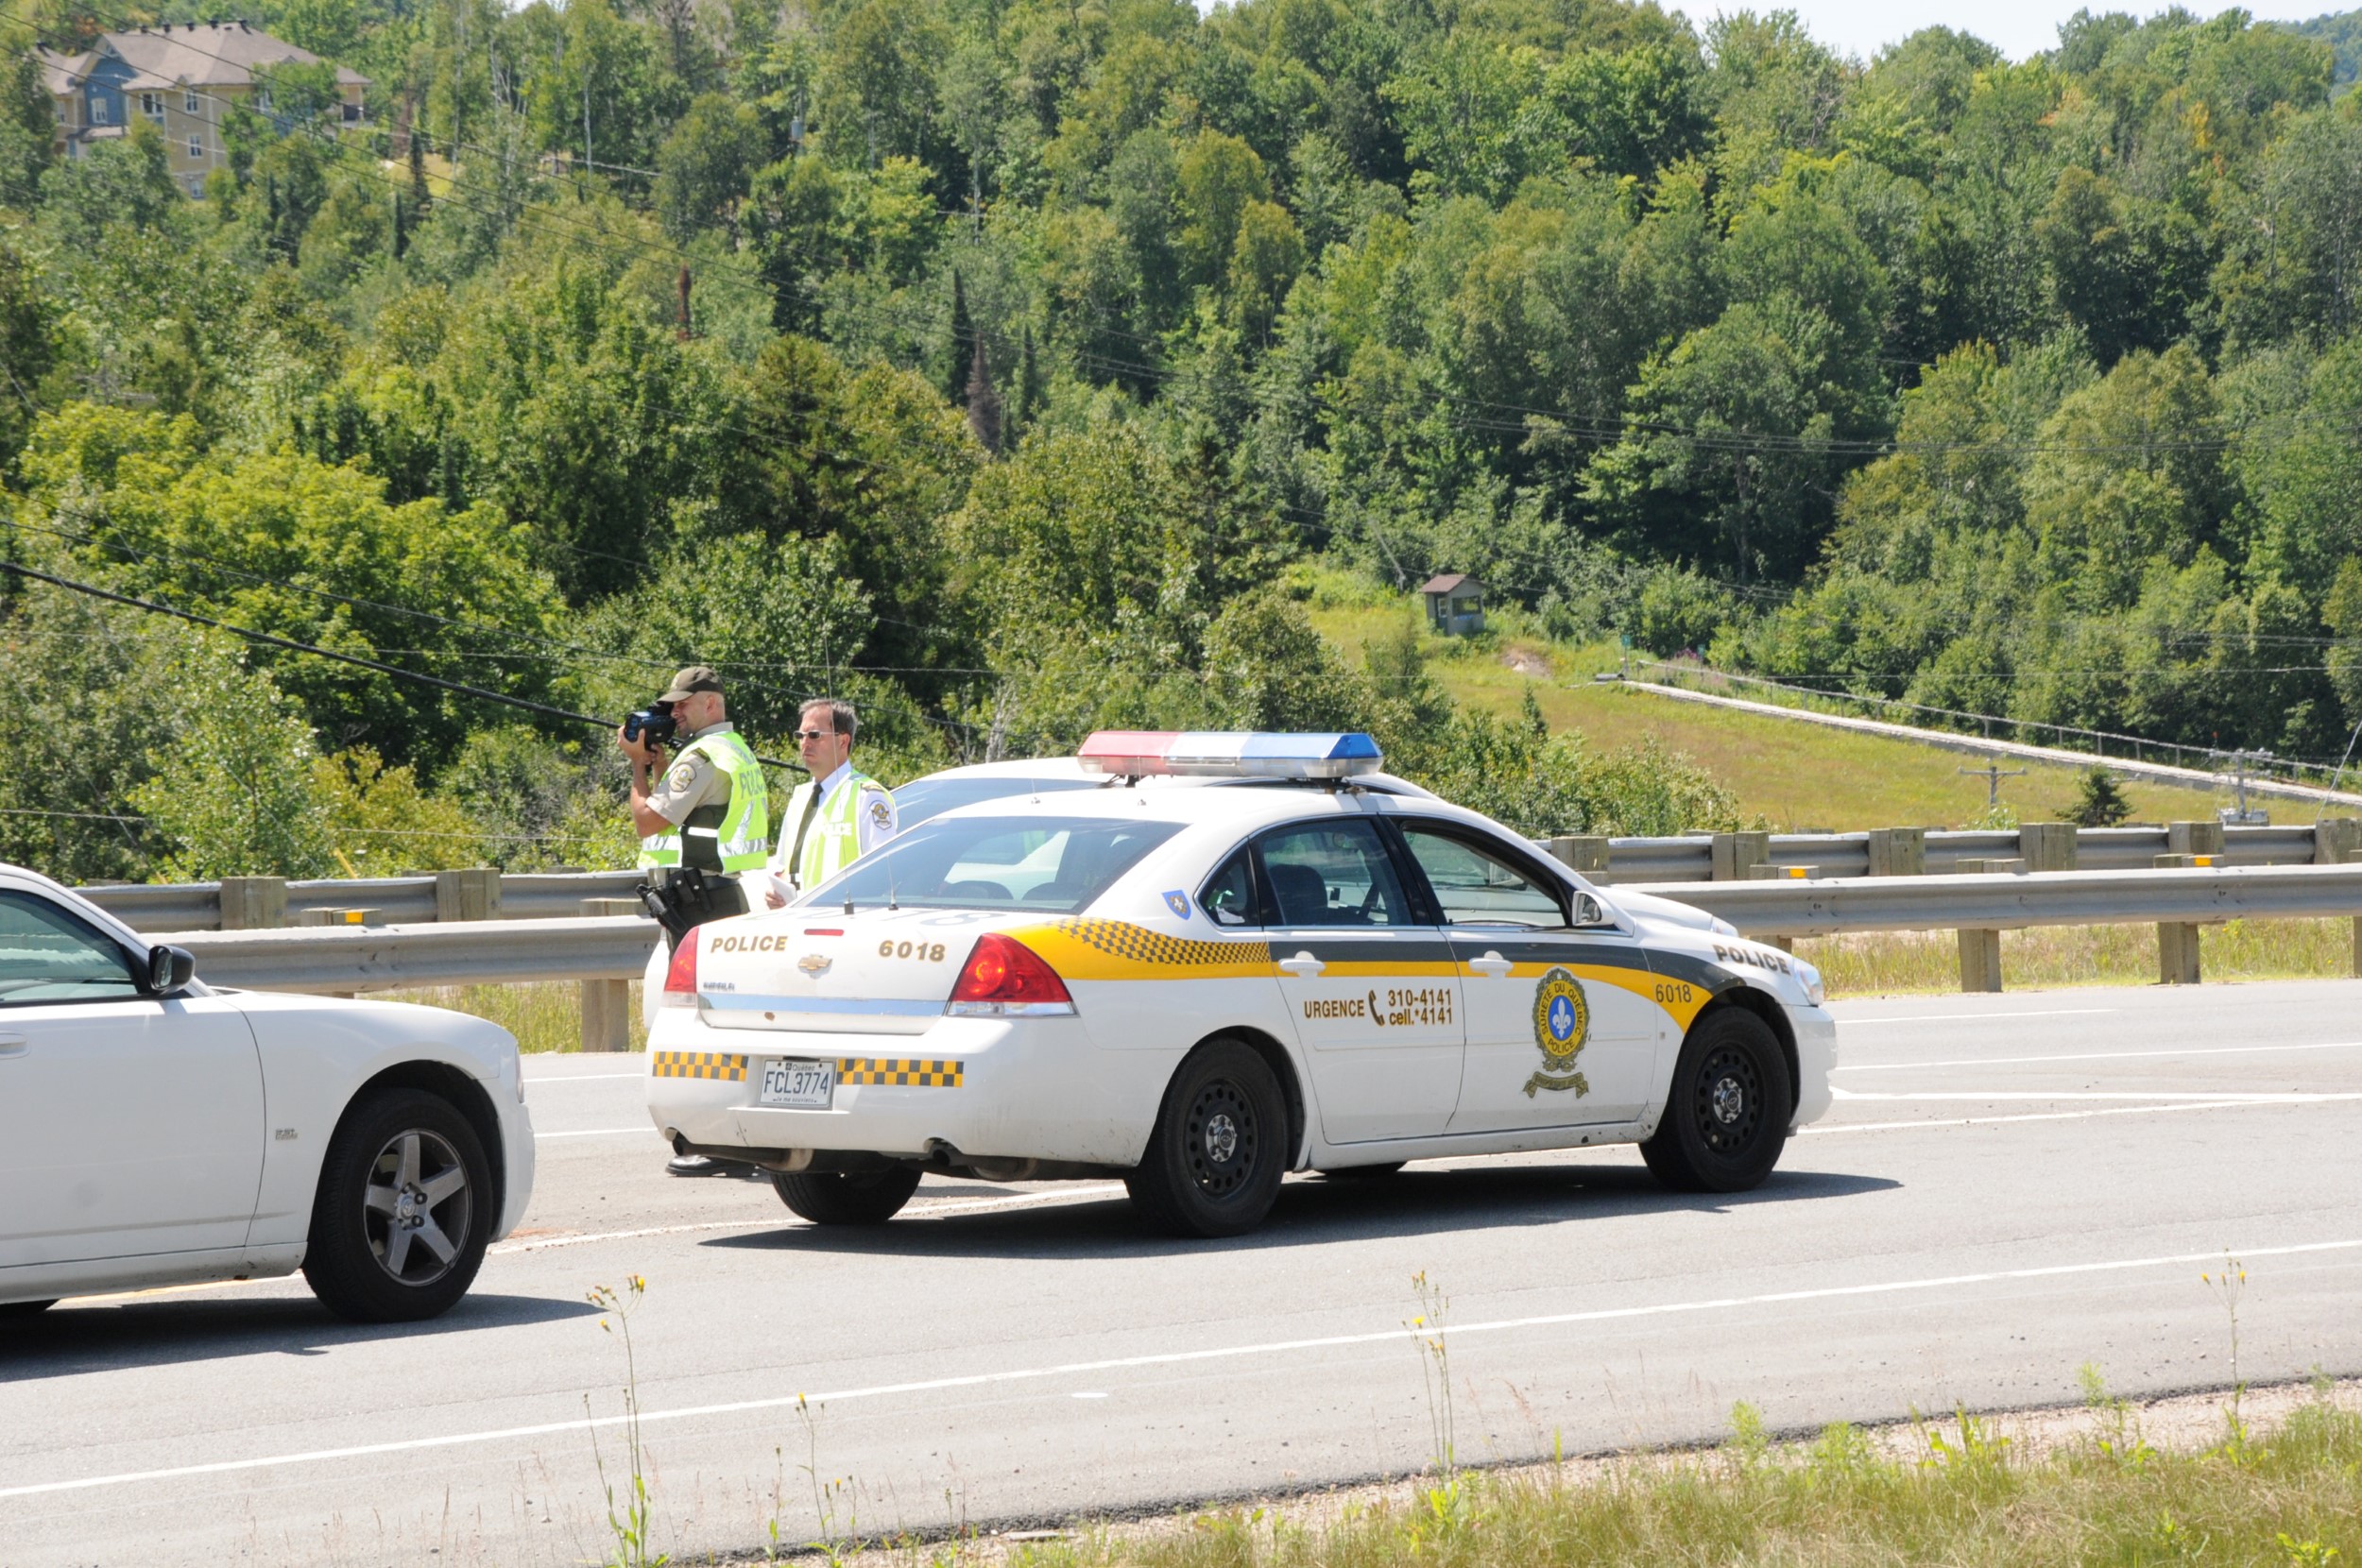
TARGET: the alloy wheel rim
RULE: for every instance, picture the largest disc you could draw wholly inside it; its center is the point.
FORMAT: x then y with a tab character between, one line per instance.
417	1207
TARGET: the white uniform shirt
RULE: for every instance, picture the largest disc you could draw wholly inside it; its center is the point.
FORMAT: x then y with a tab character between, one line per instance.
872	833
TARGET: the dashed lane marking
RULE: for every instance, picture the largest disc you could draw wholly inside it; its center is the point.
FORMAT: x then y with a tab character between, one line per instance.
1830	1129
647	1129
1979	1017
1390	1335
2215	1098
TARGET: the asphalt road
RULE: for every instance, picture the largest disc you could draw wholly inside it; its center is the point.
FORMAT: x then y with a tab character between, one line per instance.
2011	1187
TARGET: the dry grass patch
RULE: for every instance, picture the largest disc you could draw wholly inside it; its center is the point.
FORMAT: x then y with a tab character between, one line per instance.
543	1015
1876	963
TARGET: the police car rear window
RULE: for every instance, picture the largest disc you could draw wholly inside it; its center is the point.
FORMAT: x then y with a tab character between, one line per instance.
1047	865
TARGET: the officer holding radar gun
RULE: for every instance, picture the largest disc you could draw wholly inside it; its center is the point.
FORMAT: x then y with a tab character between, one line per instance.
704	821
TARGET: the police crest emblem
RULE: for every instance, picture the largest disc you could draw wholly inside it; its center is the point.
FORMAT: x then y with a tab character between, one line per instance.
1178	902
1562	1022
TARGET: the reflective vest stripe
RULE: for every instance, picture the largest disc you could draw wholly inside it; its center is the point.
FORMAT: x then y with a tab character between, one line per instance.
743	837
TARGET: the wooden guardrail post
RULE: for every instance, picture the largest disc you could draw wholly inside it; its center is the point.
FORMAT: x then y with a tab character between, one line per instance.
2337	841
1766	872
2193	837
606	1003
1898	852
253	903
2047	845
1980	947
1737	854
1586	853
2177	940
470	895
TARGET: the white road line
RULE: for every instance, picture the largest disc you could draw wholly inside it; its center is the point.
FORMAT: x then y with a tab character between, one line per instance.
1831	1129
2091	1056
646	1128
583	1078
1185	1357
2215	1098
1979	1017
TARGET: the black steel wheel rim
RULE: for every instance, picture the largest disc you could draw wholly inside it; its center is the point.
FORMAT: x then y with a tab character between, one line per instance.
1730	1100
1221	1139
417	1207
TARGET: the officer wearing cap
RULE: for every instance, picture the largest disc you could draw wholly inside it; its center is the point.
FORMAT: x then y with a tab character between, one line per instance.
710	811
702	822
834	817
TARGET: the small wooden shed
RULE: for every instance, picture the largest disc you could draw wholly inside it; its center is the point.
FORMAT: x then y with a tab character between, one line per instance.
1455	604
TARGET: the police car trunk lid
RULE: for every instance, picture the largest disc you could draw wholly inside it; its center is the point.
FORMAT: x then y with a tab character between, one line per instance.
874	972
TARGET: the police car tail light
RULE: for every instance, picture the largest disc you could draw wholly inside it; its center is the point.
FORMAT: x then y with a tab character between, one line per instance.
680	978
1228	754
1005	978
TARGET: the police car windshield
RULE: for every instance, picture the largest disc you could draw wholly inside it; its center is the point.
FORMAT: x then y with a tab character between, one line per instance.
1049	865
921	798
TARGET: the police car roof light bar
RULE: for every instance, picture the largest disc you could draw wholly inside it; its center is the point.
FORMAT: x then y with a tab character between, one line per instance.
1228	754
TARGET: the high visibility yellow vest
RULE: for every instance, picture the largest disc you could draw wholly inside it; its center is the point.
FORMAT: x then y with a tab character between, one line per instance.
833	839
742	837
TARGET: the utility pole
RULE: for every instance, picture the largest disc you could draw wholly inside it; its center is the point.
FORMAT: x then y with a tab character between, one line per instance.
2239	814
1993	774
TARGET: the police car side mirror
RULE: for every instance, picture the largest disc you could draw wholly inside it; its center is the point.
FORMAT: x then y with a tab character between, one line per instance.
1590	911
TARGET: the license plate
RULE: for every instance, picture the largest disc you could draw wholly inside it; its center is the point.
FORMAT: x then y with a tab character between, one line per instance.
808	1085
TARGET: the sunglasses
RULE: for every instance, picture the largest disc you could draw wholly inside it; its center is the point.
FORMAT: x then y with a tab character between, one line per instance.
800	736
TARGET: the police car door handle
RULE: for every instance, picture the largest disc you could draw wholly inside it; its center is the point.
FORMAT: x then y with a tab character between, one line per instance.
1303	966
12	1045
1489	963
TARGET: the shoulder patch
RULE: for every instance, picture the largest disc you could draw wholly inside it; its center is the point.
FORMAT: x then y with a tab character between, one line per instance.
882	813
682	776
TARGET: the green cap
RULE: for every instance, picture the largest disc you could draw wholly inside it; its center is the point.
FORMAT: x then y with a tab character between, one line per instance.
695	677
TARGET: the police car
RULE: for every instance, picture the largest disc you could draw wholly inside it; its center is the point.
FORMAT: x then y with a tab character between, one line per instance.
1200	990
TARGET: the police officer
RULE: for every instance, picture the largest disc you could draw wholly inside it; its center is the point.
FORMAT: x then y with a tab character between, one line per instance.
836	816
703	823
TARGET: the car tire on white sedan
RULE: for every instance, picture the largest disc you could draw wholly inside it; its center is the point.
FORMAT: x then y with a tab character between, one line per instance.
1727	1109
405	1211
1219	1146
837	1197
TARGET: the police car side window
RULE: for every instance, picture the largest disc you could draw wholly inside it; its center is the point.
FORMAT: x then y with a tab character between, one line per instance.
1228	895
1477	888
1332	874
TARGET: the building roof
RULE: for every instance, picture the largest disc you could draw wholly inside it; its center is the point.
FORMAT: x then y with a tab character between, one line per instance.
1451	581
192	54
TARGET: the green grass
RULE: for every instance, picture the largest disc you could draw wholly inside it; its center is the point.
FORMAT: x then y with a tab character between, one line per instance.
543	1015
1797	775
1883	963
1955	1492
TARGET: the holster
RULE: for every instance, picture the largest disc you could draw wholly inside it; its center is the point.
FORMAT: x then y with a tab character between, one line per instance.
682	898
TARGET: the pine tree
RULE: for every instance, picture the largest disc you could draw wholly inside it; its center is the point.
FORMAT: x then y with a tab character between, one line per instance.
956	355
1026	407
2100	801
983	402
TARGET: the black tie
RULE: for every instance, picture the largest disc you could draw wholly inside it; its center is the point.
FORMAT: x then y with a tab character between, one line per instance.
795	856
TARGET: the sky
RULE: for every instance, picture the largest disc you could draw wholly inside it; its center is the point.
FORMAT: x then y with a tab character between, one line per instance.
2016	27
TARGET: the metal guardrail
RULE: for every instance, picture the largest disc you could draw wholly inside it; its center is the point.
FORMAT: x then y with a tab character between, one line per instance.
611	949
1980	902
545	896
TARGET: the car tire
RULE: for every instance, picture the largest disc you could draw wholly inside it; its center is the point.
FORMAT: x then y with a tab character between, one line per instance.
24	1309
1219	1148
835	1198
405	1183
1726	1113
1364	1172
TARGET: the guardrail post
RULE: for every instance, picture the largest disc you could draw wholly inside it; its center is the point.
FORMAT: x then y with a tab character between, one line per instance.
606	1003
1898	851
2337	841
1769	873
2047	845
2194	838
470	895
1586	853
2177	942
253	903
1735	854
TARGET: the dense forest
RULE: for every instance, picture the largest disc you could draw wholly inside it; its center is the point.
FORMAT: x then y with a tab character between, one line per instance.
1020	366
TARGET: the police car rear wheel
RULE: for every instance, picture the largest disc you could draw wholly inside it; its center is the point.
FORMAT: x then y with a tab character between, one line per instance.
833	1198
1726	1114
1214	1161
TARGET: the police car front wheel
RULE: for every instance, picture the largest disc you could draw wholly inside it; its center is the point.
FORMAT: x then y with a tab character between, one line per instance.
1726	1116
1219	1147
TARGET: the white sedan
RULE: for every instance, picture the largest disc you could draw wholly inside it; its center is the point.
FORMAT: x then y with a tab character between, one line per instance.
156	1131
1199	990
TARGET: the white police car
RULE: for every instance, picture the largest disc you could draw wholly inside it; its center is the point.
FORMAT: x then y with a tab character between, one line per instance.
1200	990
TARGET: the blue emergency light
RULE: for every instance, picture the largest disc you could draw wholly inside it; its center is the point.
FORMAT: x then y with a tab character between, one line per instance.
1228	754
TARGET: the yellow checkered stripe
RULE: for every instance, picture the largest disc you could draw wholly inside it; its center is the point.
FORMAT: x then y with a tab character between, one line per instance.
1117	949
698	1064
901	1073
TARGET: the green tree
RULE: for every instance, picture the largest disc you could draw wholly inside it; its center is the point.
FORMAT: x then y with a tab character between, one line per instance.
232	793
2099	801
705	166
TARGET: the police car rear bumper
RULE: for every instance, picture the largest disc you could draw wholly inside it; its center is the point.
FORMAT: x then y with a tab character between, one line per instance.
992	1088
